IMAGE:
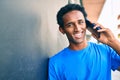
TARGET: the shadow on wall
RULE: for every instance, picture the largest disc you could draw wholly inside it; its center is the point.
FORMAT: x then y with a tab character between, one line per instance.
22	57
43	70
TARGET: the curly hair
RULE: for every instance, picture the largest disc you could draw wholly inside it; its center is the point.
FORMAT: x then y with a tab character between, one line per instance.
67	8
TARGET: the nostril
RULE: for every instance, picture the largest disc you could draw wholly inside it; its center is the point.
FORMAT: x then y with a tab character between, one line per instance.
77	29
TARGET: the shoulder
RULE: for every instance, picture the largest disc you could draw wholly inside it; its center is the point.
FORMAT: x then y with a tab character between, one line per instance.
58	56
99	46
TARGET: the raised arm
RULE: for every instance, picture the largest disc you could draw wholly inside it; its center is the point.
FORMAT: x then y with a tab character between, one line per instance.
107	37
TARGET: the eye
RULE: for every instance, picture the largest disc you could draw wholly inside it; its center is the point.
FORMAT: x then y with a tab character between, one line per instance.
69	25
80	21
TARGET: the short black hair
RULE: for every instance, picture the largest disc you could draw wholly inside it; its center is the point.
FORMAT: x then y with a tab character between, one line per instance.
67	8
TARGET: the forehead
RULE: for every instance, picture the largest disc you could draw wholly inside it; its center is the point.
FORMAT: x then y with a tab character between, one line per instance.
73	14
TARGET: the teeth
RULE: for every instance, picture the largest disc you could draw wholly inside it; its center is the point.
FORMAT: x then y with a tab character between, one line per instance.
77	35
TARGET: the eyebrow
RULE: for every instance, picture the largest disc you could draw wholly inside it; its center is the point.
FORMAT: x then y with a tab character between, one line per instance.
80	20
72	22
68	23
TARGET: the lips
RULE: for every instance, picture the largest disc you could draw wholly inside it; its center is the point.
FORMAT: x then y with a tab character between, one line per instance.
78	35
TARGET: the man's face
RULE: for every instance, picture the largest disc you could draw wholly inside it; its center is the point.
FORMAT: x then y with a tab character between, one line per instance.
74	26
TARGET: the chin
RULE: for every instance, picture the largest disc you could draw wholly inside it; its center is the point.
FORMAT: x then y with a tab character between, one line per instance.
79	42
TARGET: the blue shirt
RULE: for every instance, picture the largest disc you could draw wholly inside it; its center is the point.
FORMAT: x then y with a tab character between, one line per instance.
91	63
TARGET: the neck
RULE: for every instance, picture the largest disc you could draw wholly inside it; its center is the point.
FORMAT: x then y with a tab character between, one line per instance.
78	46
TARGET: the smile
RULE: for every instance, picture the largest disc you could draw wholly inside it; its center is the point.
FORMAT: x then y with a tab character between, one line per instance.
79	35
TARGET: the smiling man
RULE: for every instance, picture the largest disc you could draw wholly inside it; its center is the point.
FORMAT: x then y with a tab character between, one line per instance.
75	28
83	60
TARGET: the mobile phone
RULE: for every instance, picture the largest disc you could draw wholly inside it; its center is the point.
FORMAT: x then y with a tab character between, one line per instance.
90	28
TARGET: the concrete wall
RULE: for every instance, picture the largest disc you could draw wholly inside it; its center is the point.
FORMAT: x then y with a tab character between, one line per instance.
28	37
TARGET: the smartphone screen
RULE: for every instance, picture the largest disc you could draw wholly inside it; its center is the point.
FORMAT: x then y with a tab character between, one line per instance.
90	28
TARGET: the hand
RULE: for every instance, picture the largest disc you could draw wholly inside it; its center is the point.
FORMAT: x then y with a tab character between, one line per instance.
106	35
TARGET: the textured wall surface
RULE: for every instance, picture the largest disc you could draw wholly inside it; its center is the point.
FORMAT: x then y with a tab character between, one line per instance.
28	36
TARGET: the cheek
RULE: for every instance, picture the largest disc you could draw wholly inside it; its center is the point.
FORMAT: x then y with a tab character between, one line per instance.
69	33
84	28
69	30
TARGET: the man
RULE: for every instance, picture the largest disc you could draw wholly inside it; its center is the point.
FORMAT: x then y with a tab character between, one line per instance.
83	60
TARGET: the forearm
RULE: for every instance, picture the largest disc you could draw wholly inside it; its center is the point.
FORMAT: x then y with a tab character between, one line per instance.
115	44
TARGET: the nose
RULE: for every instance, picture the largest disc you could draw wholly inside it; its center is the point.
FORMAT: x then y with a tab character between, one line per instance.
77	27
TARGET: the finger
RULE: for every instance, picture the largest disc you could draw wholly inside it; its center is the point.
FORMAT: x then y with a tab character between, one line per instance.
94	36
102	30
98	25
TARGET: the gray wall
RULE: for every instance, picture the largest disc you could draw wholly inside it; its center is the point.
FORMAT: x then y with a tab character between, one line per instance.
28	37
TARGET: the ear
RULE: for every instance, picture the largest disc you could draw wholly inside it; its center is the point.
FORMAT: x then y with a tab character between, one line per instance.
61	30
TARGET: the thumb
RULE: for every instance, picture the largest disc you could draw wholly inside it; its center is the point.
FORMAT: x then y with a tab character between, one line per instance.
94	36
